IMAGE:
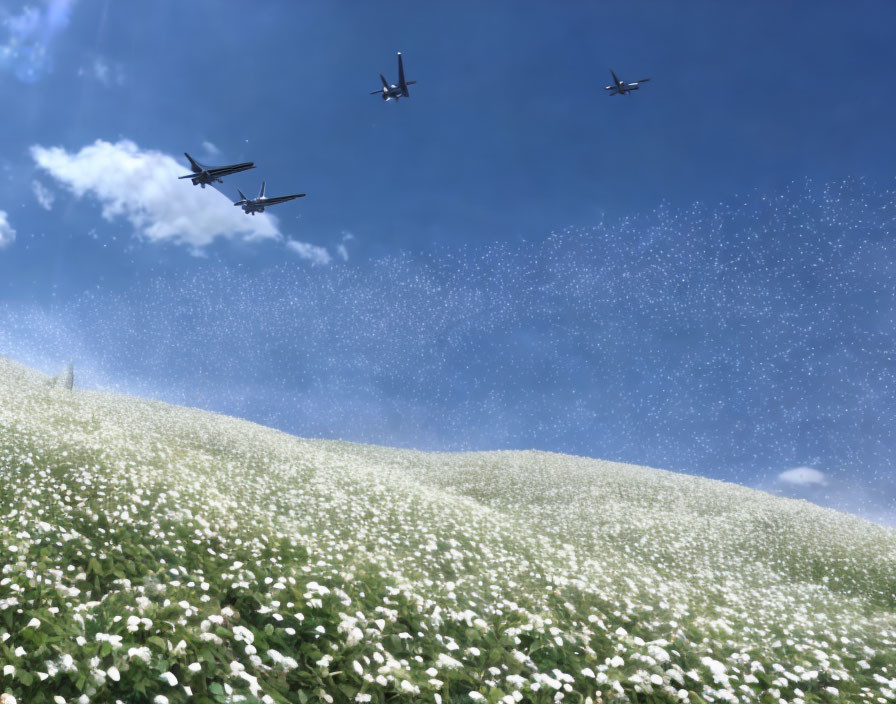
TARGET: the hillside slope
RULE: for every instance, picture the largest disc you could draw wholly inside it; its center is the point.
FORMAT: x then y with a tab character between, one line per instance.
156	553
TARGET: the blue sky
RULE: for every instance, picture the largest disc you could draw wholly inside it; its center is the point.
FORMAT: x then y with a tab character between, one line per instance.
696	277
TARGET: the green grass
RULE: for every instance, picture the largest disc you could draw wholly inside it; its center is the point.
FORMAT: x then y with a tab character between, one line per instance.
255	566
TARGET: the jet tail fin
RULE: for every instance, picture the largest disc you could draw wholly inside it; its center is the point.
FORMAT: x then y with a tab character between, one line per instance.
242	196
385	82
261	192
401	80
195	165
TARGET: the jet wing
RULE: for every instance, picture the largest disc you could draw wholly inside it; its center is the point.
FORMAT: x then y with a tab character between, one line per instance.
231	169
280	199
215	172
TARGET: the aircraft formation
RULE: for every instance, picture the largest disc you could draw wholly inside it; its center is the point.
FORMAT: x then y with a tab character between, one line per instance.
207	175
203	175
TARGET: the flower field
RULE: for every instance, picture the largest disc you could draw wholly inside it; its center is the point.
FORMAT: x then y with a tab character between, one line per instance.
152	553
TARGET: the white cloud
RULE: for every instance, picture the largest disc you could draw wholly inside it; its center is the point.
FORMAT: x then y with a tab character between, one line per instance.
803	476
872	500
142	186
102	70
7	233
43	194
210	148
341	249
311	252
27	49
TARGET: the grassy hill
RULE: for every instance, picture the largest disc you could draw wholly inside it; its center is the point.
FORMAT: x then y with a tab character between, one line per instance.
151	553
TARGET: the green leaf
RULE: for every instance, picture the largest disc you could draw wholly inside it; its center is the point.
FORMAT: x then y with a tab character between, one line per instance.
495	696
349	691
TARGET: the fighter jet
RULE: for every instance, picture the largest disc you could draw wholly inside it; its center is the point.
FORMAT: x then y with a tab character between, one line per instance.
392	91
622	87
206	175
258	204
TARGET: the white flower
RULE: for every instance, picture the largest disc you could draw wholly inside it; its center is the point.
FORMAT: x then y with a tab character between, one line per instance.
243	633
143	653
169	678
113	674
445	660
194	667
355	636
